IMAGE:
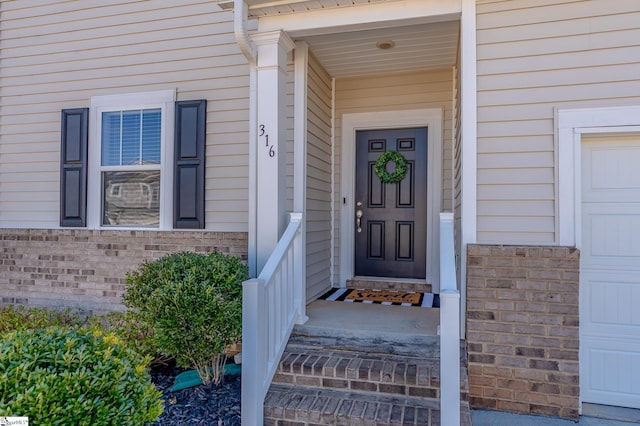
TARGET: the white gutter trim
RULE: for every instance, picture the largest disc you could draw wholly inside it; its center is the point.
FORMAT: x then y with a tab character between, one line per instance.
240	18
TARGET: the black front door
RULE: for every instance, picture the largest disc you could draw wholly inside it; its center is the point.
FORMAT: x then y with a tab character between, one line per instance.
391	230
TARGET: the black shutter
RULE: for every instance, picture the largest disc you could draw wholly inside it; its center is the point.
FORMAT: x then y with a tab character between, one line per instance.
73	167
188	188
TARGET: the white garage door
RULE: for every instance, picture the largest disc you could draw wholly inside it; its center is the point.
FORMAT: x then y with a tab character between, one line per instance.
610	271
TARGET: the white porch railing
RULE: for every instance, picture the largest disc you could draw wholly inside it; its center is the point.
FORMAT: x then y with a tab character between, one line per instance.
271	305
449	327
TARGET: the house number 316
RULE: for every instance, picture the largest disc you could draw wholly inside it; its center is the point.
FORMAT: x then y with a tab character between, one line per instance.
262	132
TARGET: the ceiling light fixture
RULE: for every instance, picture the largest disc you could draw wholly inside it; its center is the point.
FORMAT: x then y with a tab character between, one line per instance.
385	44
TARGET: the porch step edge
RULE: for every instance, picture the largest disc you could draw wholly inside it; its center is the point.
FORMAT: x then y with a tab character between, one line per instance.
410	345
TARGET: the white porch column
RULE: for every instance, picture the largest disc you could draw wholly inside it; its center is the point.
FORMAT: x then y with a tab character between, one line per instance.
271	221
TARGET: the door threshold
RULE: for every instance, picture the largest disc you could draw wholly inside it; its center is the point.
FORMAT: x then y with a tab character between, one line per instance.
390	279
386	283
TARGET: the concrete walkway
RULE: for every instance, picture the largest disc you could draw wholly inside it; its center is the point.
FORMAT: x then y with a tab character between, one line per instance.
499	418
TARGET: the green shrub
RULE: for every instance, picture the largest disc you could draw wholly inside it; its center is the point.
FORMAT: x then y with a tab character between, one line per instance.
193	305
58	376
133	332
21	318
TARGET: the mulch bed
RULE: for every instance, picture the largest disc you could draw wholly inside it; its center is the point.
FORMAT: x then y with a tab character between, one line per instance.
198	405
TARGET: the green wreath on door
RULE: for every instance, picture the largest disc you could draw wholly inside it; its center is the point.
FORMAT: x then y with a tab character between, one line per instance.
401	167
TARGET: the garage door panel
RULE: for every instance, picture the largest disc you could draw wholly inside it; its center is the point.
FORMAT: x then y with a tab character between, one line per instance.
612	172
612	234
612	299
610	372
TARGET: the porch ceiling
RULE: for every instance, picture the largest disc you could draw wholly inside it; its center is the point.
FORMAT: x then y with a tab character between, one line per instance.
424	46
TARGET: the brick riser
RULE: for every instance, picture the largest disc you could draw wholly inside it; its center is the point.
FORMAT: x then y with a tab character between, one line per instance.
329	386
302	406
356	371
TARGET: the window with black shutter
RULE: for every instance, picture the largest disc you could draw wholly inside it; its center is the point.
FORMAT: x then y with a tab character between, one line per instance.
131	171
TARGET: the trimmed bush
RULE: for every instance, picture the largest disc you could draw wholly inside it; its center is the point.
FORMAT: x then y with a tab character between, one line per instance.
193	305
58	376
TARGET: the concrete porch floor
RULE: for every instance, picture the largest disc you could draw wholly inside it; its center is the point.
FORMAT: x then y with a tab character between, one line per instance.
372	320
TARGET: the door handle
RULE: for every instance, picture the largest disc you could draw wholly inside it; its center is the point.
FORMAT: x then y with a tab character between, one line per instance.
359	215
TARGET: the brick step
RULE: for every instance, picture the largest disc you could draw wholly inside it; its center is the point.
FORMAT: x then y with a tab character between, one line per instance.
328	376
303	406
359	371
377	284
325	381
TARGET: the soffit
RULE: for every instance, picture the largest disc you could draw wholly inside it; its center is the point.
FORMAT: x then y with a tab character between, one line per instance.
416	47
260	8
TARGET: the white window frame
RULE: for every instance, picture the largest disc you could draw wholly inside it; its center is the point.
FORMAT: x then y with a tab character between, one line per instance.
163	100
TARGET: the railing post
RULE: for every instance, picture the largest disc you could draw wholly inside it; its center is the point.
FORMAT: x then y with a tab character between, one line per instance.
253	353
447	252
449	327
449	358
299	283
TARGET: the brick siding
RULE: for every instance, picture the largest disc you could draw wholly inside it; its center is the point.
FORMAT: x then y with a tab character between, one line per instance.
522	329
86	269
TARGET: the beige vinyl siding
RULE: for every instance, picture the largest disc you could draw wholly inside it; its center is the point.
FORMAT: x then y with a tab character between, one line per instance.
318	179
399	91
534	56
57	54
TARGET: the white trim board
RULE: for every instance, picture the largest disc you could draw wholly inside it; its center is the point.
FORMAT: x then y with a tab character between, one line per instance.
570	125
469	150
301	75
430	118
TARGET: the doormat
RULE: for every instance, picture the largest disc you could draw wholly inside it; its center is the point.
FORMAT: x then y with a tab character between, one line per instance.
383	297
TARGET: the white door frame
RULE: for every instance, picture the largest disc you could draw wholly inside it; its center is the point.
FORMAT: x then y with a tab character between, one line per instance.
430	118
571	124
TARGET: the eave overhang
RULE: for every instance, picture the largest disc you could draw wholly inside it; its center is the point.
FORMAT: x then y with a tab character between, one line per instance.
262	8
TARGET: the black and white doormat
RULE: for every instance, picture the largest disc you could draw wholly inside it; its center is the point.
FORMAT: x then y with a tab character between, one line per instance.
383	297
